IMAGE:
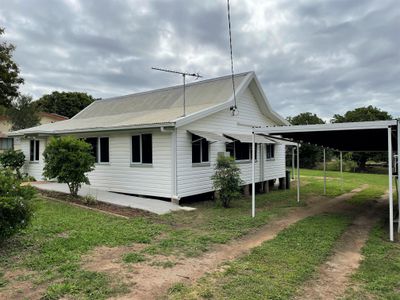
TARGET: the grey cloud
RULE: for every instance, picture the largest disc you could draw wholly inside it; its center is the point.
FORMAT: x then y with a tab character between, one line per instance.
322	56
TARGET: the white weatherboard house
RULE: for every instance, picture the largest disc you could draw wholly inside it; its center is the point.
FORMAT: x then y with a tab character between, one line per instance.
145	146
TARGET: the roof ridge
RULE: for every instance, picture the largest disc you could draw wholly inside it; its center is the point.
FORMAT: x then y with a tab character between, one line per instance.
174	87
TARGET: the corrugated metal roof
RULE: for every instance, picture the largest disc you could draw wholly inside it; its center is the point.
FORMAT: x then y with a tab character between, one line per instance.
162	106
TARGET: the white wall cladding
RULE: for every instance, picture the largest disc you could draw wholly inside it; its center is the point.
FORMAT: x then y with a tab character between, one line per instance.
119	175
34	169
197	179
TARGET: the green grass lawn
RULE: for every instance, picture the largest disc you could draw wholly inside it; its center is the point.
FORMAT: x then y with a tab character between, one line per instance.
51	248
275	269
379	274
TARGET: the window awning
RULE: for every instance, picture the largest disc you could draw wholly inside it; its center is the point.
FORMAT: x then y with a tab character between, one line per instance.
248	138
210	136
281	141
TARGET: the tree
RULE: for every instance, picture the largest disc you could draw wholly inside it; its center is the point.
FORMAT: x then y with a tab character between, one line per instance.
9	74
15	204
309	154
369	113
13	159
227	180
68	159
23	113
66	104
361	114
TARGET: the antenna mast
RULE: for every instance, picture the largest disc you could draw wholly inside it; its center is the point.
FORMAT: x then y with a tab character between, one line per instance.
184	74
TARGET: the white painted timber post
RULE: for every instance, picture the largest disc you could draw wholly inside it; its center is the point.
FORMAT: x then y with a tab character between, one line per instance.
390	154
341	171
253	176
324	171
398	173
292	162
298	173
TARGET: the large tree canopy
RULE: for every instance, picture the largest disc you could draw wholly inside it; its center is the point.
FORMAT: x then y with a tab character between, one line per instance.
23	113
9	74
305	118
361	114
67	104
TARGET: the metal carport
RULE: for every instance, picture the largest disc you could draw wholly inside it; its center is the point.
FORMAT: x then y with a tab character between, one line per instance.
375	136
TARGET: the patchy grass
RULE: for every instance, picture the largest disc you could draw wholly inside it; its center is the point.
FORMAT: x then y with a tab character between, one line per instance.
133	257
164	264
52	246
378	276
58	236
275	269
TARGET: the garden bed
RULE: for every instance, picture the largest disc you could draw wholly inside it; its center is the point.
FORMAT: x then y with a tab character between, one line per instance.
97	205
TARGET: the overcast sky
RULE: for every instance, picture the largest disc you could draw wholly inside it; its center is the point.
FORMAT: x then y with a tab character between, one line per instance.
323	56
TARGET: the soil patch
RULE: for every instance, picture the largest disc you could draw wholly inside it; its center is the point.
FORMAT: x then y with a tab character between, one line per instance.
152	282
19	286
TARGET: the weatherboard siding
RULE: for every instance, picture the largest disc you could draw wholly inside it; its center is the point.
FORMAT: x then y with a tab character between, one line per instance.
119	175
194	179
34	169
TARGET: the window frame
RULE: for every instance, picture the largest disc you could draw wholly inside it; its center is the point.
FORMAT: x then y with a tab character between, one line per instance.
98	150
34	157
250	152
7	140
201	140
140	162
272	157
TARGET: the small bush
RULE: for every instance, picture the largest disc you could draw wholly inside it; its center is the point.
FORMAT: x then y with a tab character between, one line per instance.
89	200
15	206
227	180
68	159
14	160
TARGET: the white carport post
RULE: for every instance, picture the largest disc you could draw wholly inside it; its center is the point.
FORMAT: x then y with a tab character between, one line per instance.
292	162
298	172
324	171
253	176
398	173
341	170
390	154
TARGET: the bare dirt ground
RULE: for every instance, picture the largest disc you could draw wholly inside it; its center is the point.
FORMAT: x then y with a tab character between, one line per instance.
150	282
333	276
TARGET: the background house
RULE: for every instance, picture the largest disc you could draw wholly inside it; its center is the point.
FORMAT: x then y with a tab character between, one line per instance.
144	145
7	142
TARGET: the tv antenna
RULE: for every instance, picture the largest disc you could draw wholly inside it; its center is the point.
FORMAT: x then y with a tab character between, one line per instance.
184	74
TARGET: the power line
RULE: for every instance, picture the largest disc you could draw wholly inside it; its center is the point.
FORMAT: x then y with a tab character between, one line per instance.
233	108
184	74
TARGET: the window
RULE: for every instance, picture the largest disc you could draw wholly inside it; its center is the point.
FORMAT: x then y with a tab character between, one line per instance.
142	149
270	151
34	150
199	149
6	143
100	148
239	150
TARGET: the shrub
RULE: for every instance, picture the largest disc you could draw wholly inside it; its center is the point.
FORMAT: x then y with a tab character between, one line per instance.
68	159
14	160
89	200
227	180
15	204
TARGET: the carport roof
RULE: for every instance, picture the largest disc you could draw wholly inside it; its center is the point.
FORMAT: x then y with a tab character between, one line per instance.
354	136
